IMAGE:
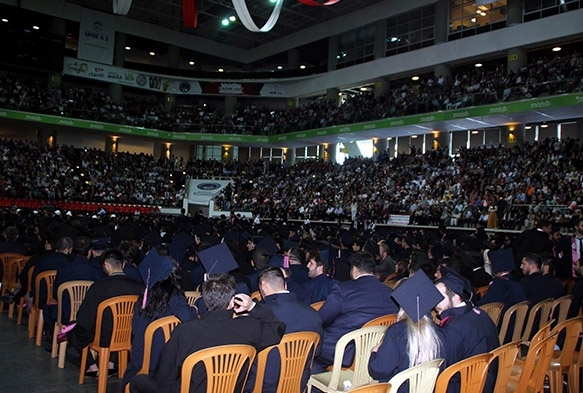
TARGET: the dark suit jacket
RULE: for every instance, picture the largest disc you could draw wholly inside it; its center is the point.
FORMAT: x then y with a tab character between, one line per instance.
319	287
53	261
349	306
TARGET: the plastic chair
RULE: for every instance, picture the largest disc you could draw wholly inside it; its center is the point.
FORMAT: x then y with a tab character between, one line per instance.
520	310
76	290
385	320
36	318
472	374
318	305
21	301
167	325
480	292
532	375
383	387
563	361
560	307
421	377
506	355
256	295
122	309
13	265
494	310
224	364
191	297
543	310
364	339
296	350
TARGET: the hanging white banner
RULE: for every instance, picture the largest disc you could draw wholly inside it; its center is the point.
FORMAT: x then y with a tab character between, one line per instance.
484	2
96	37
121	7
247	20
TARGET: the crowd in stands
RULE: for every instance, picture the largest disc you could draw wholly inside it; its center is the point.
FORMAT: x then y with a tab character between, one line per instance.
480	86
498	186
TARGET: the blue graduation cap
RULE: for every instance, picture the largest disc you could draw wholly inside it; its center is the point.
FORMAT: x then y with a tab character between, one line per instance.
417	296
217	259
502	260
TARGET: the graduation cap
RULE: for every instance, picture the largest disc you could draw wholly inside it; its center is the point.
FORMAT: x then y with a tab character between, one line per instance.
287	244
153	238
180	243
347	239
417	296
217	259
100	243
268	244
455	281
153	268
502	260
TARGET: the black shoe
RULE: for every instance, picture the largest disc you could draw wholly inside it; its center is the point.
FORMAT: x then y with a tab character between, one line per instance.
7	298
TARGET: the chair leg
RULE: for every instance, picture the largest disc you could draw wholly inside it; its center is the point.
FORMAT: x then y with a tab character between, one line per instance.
122	362
103	366
573	378
39	328
55	346
62	353
11	311
31	323
83	365
20	309
555	381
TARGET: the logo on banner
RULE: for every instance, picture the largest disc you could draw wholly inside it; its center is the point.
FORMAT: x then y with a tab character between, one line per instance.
231	88
208	186
78	68
97	33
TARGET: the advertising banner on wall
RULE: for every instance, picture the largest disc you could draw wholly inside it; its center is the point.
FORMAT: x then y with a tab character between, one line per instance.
169	84
96	37
201	192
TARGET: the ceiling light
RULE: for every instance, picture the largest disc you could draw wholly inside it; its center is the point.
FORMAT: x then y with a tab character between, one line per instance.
556	48
415	78
232	18
152	54
527	127
544	125
302	67
390	138
475	132
414	136
482	13
394	39
220	70
35	27
4	20
279	67
363	89
473	20
128	48
225	22
191	63
478	65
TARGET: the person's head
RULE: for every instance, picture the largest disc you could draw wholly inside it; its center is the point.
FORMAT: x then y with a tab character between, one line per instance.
383	250
259	258
451	299
82	246
548	264
361	263
218	291
316	267
64	245
578	224
297	256
112	261
130	251
545	226
531	263
358	245
271	280
11	233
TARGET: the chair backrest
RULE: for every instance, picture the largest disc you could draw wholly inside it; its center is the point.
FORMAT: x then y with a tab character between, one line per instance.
364	339
384	320
167	325
472	374
224	364
421	377
13	265
48	276
382	387
494	310
256	295
122	309
191	297
536	365
572	328
480	292
506	355
519	310
560	307
296	350
317	305
540	334
76	290
542	309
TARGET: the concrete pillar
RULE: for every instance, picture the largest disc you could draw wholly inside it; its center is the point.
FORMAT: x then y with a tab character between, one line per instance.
514	12
293	59
380	145
230	105
120	49
333	96
579	129
515	135
517	58
54	80
162	149
440	141
116	93
289	156
441	21
111	145
380	39
332	52
330	152
227	153
442	70
46	137
292	102
381	86
173	58
169	101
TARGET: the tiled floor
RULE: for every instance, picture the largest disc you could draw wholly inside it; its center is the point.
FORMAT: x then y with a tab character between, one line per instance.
26	368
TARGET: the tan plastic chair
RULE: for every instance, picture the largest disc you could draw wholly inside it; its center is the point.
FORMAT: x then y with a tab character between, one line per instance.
385	320
563	361
542	333
421	377
13	265
383	387
520	310
21	301
167	325
191	297
224	364
543	309
122	309
76	290
480	292
332	381
560	308
318	305
494	310
506	355
296	350
256	296
532	375
36	319
472	374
